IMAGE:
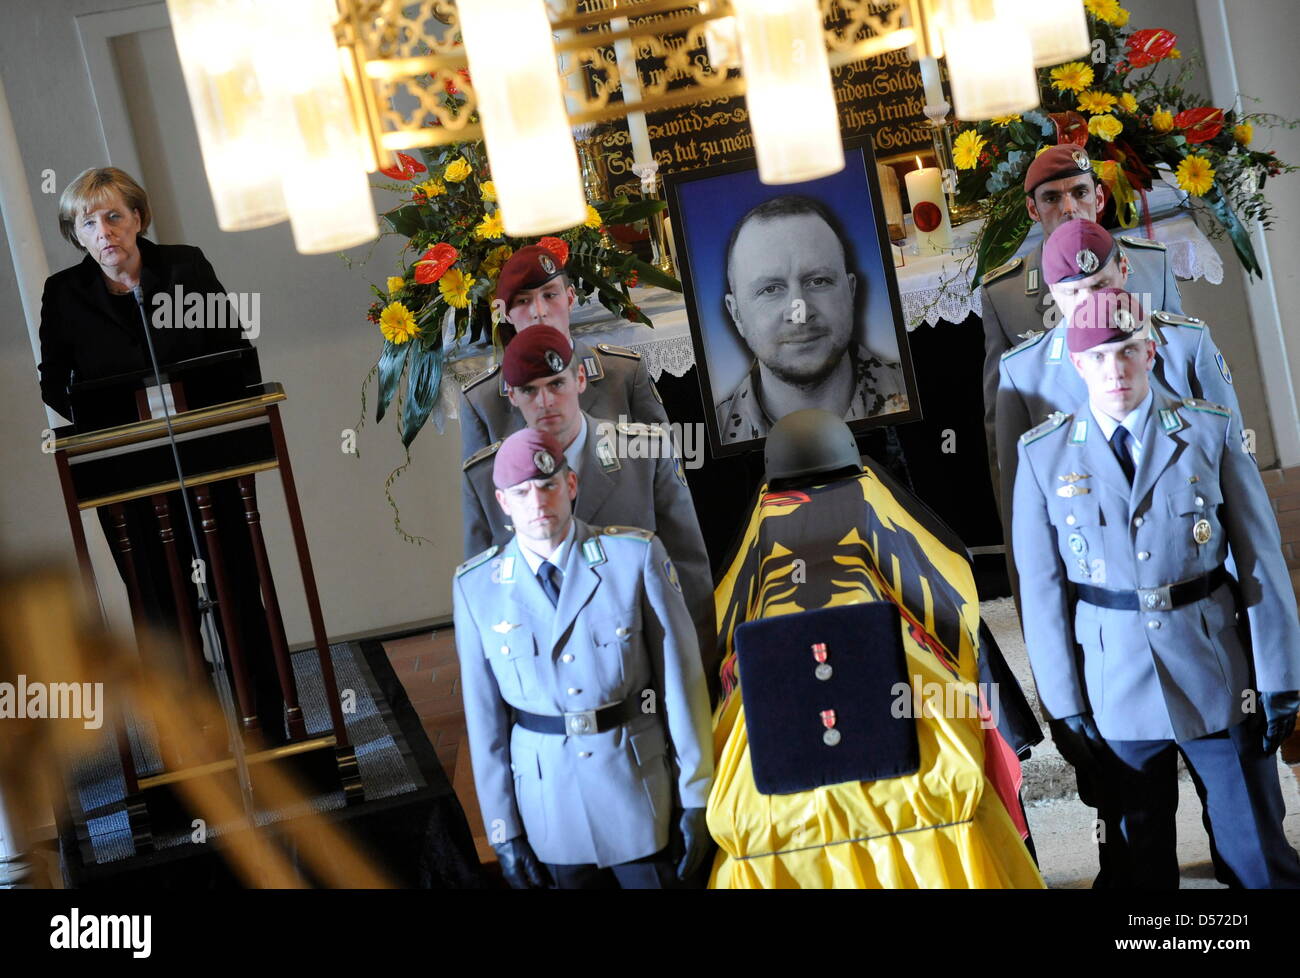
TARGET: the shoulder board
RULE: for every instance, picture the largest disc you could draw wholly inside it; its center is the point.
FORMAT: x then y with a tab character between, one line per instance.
628	533
1173	319
1000	271
1137	242
637	428
618	351
1054	421
477	559
1036	337
480	455
1209	407
479	378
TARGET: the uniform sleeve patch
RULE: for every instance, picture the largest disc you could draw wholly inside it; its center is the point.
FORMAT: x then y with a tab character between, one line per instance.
1223	367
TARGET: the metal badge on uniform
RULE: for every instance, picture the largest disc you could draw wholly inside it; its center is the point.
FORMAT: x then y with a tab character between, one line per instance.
1086	260
1031	281
1073	476
548	265
823	670
832	736
592	367
1056	352
593	552
507	570
1201	532
1070	491
1081	159
1080	433
1169	420
670	572
1223	367
503	626
544	461
1123	320
1078	545
608	460
554	362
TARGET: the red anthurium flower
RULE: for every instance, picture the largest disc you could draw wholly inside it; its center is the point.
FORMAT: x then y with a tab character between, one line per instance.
434	263
407	167
1070	128
1200	125
557	247
1148	46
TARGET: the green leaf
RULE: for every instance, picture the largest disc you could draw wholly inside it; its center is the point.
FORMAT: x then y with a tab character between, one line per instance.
1219	203
647	274
406	221
391	364
1001	236
629	212
422	389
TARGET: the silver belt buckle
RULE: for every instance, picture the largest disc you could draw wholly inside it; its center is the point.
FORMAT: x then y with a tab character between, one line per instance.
1155	598
581	722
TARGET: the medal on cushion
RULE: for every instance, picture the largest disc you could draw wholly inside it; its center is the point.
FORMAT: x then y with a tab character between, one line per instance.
832	736
823	670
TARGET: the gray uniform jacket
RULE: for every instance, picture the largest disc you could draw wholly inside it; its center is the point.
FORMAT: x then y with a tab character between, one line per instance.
620	630
1151	675
617	386
1037	378
647	490
1017	302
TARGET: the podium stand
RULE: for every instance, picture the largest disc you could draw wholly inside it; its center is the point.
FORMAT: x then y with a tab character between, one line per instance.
226	442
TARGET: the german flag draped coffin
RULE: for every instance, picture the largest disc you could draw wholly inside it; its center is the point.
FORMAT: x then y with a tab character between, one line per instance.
850	541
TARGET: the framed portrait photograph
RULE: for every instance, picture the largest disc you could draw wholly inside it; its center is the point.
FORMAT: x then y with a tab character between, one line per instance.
791	297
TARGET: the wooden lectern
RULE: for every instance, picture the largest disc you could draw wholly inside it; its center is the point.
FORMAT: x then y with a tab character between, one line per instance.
225	442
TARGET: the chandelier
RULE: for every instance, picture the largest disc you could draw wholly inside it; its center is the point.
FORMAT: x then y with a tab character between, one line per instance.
295	101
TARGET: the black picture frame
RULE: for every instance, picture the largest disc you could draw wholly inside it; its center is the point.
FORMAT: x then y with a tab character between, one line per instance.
704	205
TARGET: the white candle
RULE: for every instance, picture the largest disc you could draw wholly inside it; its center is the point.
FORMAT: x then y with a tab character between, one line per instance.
925	192
636	127
930	78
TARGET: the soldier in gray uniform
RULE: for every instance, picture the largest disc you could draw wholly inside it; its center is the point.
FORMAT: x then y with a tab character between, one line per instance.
629	473
1133	501
585	704
534	289
1060	186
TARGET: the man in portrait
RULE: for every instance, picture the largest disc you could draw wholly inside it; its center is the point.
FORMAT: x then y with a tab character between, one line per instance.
790	294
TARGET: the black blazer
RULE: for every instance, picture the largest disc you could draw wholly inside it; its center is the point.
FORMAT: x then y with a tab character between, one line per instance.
88	333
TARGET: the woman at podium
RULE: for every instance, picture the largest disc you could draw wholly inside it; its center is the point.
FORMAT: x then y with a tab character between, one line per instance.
93	318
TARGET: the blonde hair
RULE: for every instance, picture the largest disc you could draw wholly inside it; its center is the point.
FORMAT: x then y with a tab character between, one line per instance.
91	189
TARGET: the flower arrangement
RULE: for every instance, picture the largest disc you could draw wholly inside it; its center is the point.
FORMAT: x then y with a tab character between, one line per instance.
455	248
1131	125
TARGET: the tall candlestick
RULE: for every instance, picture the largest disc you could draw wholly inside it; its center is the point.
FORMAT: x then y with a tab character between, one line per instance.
929	210
930	78
631	82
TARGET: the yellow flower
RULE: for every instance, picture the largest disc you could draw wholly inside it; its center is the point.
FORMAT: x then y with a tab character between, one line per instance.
1128	103
1105	127
457	170
491	265
488	191
395	282
1072	77
593	218
1005	120
1195	175
1105	10
433	188
966	150
490	227
1175	54
1243	133
397	324
454	286
1162	120
1108	170
1097	102
1120	18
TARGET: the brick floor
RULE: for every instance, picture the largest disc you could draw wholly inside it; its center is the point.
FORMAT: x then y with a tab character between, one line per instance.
429	670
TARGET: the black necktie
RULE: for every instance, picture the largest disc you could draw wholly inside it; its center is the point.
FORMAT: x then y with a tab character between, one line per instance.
1119	443
549	576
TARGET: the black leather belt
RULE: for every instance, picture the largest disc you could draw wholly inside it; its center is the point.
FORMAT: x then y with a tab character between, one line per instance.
581	722
1155	598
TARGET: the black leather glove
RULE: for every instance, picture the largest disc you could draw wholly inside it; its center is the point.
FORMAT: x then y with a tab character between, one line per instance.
1280	710
519	865
697	844
1078	740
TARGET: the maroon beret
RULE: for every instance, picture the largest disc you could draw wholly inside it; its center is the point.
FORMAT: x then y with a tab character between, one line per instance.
536	352
1104	316
1076	249
529	267
527	454
1055	162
